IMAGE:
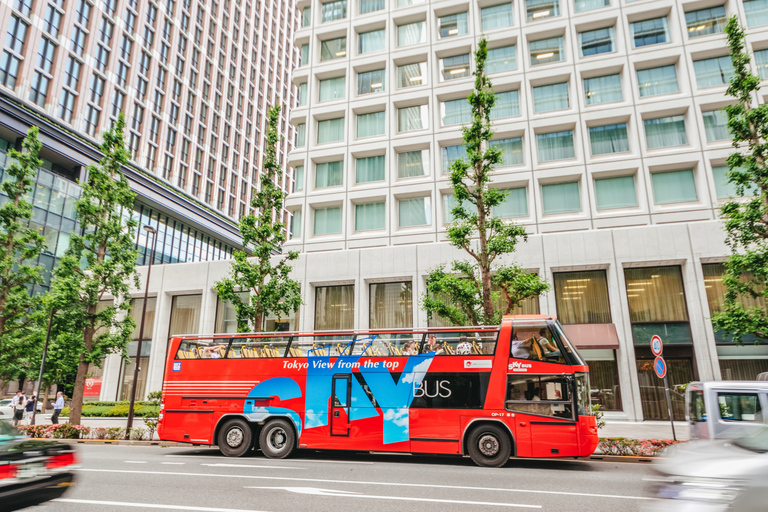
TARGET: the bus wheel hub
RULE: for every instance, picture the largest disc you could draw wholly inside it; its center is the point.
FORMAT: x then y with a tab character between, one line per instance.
235	437
277	439
489	445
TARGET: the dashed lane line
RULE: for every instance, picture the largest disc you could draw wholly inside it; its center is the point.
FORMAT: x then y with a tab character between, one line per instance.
150	505
224	465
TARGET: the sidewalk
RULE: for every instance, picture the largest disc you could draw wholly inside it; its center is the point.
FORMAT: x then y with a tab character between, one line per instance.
645	429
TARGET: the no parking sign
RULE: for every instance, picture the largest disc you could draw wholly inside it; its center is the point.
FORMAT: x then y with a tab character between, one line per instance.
660	367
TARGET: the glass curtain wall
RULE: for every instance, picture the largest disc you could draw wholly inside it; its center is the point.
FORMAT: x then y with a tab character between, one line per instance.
390	305
334	307
128	367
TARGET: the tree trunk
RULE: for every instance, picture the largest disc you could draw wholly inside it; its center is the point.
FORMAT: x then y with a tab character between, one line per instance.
76	406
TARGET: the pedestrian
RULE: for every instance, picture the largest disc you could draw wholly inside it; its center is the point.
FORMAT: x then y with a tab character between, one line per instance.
57	407
30	407
19	403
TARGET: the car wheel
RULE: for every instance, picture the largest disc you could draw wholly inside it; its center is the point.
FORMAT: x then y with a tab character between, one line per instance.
489	446
277	439
235	438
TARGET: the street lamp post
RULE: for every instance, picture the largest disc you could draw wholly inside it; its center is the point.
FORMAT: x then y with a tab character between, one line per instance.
42	368
151	231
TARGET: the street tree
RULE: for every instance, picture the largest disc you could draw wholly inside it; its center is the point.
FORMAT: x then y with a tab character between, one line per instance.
92	283
479	289
20	311
260	285
746	216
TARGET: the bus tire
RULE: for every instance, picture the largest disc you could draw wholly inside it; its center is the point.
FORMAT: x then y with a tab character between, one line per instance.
235	438
489	446
277	439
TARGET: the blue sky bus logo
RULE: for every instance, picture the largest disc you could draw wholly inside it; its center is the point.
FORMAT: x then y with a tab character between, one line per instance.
177	366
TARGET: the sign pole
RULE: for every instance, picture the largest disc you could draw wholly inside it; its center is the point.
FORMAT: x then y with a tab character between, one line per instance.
669	407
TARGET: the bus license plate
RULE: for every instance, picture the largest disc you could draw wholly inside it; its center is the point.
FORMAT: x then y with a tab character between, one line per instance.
31	470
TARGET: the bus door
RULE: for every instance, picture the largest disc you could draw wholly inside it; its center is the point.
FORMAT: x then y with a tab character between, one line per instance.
340	400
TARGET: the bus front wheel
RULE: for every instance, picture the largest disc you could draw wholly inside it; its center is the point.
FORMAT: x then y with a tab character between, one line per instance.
489	446
277	439
235	438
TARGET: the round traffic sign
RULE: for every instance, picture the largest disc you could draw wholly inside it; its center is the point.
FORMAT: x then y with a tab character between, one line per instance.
660	367
656	345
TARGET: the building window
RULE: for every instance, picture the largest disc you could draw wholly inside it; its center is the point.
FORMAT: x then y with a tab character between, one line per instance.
507	105
306	16
609	138
452	68
723	187
555	145
664	132
497	16
371	124
511	151
370	168
412	118
39	88
366	6
603	378
582	297
544	51
303	94
66	105
332	49
561	198
455	112
17	32
92	120
304	59
453	25
414	212
648	32
411	33
334	307
24	6
128	367
656	81
332	88
602	89
706	21
334	10
657	304
301	135
449	203
548	98
296	224
411	163
410	75
186	309
713	72
588	5
370	82
716	125
618	192
369	216
327	221
371	41
757	12
52	20
330	130
542	9
501	59
450	154
391	305
761	59
515	204
329	174
674	187
595	42
298	181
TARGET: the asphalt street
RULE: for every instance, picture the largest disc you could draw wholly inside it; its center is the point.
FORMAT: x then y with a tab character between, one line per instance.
133	478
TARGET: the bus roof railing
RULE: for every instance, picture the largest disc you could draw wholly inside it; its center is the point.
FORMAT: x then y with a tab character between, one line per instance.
334	332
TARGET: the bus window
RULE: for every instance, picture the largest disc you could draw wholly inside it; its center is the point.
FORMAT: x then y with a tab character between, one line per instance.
548	395
202	349
697	410
461	343
258	347
534	341
321	346
389	344
570	351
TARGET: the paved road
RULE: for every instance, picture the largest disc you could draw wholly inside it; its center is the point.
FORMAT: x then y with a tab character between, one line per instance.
132	478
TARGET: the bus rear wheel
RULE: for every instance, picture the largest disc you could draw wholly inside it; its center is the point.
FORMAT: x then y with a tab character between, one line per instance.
235	438
277	439
489	446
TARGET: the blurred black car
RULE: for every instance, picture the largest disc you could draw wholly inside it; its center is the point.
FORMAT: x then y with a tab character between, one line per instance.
32	471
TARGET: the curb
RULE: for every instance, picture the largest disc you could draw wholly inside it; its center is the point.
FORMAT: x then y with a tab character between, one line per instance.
622	458
123	442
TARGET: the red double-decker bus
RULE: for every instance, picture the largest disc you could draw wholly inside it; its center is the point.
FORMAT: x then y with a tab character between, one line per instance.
519	389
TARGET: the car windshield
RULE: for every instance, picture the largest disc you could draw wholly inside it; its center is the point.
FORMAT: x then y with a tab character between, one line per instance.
756	442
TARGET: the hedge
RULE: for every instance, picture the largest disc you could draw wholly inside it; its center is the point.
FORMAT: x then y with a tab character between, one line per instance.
114	410
636	447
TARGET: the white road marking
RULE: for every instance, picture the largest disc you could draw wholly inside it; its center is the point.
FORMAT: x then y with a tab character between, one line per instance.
150	505
348	494
134	461
321	461
224	465
174	463
358	482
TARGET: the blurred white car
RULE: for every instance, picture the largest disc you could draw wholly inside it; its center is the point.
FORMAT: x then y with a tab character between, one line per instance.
6	411
721	476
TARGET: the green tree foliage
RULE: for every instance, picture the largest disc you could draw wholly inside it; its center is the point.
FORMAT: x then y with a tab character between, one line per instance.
267	282
99	265
746	218
19	310
472	291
